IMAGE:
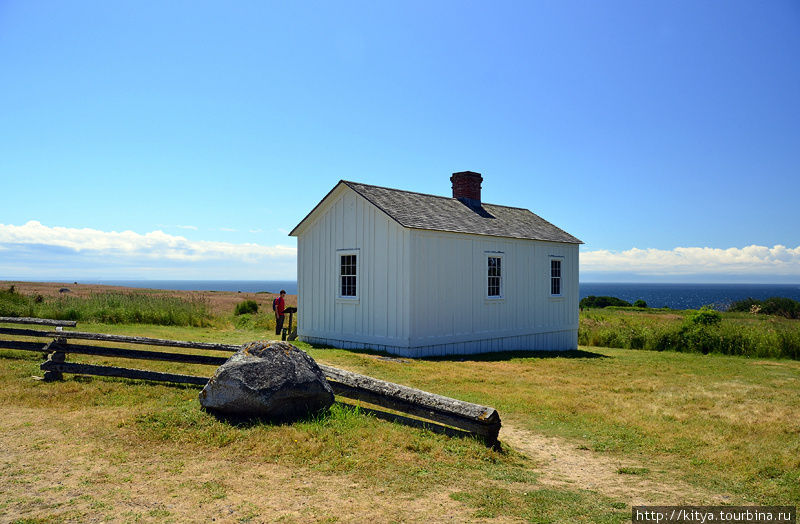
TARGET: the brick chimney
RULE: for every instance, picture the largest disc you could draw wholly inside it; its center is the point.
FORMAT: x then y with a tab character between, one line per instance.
467	187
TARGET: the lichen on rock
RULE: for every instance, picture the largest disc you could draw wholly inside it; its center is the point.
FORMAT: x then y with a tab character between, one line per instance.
272	380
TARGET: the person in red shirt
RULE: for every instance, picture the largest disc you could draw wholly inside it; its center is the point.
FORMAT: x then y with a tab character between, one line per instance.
280	305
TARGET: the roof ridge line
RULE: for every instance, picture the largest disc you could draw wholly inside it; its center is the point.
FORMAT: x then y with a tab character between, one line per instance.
348	182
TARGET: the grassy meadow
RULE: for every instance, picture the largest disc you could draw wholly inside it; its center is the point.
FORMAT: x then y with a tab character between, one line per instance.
744	334
586	435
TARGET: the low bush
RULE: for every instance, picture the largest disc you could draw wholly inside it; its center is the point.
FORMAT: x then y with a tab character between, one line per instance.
778	306
705	316
601	302
745	306
784	307
640	303
246	307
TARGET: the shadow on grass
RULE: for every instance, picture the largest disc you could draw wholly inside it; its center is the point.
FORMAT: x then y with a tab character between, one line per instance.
242	421
509	355
88	379
478	357
246	422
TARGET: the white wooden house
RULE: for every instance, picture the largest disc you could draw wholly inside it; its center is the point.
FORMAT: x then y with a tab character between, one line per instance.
422	275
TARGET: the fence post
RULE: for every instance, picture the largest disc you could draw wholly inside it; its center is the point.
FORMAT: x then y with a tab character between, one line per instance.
56	355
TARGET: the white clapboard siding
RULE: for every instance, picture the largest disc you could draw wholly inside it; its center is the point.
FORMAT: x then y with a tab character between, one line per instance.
449	291
349	222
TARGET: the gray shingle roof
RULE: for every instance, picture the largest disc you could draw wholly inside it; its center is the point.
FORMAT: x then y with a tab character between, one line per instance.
421	211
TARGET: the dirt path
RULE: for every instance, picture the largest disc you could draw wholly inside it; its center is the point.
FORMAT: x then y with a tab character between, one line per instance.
561	463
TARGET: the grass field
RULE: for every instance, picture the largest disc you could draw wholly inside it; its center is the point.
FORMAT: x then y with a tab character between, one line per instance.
742	334
586	434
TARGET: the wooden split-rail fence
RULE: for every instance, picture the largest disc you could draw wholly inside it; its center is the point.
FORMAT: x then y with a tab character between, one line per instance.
435	412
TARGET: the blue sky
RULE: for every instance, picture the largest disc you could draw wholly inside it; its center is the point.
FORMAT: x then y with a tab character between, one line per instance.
170	140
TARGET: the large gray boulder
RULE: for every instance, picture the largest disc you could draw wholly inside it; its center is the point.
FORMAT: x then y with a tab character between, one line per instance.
272	380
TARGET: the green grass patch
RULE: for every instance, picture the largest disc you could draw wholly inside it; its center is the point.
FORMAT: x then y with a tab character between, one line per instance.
110	308
695	416
717	423
701	331
542	505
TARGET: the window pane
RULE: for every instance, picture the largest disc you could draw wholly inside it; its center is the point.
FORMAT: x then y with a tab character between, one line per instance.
555	277
494	275
555	268
347	272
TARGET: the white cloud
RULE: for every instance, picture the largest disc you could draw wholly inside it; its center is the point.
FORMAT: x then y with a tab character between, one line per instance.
777	260
256	230
153	245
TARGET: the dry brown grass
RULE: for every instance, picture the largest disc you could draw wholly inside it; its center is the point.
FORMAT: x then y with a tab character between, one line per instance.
629	426
75	466
221	303
104	449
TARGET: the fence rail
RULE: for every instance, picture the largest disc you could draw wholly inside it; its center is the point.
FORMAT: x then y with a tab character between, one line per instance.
40	321
463	417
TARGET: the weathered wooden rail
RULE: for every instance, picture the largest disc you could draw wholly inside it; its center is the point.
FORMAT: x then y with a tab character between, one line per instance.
58	347
437	411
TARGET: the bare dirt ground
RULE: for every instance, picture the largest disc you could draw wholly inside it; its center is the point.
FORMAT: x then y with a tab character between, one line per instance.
220	302
561	463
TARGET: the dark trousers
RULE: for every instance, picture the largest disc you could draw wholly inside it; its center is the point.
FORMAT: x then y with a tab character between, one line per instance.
278	323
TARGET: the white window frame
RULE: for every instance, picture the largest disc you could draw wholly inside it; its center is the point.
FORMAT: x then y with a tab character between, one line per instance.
560	277
342	253
500	255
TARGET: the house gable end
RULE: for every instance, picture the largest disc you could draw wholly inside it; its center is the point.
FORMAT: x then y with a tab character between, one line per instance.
327	201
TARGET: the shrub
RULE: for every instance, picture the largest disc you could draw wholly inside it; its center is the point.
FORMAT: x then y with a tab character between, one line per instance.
705	316
247	307
744	306
599	302
640	303
784	307
780	306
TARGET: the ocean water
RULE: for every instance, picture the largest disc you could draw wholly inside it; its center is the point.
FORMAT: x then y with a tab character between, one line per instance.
675	296
689	296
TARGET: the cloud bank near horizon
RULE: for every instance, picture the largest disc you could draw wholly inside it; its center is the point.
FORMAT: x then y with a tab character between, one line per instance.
753	260
34	250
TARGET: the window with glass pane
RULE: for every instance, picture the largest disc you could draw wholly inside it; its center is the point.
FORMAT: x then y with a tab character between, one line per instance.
347	275
495	275
555	277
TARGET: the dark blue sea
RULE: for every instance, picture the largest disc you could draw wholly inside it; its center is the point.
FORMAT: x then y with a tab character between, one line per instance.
689	296
675	296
